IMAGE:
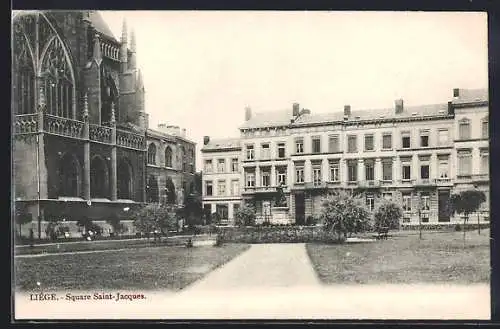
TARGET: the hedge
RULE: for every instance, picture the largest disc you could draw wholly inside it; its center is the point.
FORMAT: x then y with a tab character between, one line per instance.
275	234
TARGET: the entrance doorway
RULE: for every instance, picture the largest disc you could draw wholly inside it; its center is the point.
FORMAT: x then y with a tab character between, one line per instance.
300	209
443	207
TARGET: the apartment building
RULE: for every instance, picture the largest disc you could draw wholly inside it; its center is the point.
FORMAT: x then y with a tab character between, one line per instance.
416	156
221	177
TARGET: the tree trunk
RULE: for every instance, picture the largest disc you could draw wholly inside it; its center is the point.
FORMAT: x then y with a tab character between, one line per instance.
478	224
465	222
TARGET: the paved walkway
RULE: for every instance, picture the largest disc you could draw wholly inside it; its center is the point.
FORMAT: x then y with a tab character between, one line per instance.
263	265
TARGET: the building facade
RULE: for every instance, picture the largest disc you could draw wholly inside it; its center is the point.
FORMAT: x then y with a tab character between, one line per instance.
80	127
221	178
416	156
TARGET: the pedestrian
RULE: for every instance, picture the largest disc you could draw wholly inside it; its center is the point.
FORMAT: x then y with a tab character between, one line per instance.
32	238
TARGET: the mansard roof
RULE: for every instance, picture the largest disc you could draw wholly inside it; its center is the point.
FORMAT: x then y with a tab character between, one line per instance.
223	143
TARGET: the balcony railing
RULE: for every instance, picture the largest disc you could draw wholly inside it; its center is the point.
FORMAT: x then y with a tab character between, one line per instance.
481	177
62	126
100	134
261	189
131	140
443	181
425	182
369	183
26	124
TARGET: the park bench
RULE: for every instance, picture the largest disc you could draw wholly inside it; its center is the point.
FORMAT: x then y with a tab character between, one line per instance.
382	233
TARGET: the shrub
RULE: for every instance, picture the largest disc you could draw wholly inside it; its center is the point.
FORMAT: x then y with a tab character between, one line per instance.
245	216
387	215
458	228
343	214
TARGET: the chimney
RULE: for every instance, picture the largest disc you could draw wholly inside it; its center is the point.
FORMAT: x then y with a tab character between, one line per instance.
451	110
296	109
347	110
398	104
206	140
456	92
248	113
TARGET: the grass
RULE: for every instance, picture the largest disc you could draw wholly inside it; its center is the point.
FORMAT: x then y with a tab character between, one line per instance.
171	268
440	257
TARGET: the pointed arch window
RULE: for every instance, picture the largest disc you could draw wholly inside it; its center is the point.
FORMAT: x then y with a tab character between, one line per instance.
99	178
24	76
152	191
57	81
124	186
168	157
70	176
152	154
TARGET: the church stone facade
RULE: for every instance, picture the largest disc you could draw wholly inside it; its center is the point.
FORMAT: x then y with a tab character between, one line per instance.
81	143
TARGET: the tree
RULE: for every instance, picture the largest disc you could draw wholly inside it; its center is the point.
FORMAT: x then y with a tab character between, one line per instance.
154	217
387	216
245	216
342	214
467	202
22	218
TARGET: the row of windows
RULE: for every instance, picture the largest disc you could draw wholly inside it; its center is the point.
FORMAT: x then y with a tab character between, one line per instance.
221	166
169	158
369	171
222	188
369	144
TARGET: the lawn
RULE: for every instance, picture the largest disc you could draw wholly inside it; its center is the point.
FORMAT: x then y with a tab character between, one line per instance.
145	268
440	257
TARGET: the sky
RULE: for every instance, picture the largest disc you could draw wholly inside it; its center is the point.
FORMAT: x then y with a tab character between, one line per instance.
201	68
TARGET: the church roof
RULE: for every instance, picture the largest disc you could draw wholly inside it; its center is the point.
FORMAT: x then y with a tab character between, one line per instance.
100	24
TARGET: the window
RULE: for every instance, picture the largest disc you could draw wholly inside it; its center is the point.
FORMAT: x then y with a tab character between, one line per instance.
407	202
265	151
443	137
352	170
352	144
464	129
316	145
266	178
334	172
405	140
464	163
281	176
424	171
484	128
368	142
299	146
208	166
235	187
234	165
333	144
299	174
250	179
168	157
369	171
443	169
387	196
316	175
406	171
485	162
221	188
425	202
370	202
152	154
221	165
424	138
281	150
250	152
221	210
387	170
208	188
387	141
